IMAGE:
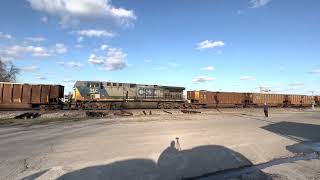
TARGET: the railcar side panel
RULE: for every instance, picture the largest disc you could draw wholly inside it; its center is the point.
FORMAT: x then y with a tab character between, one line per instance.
26	94
7	93
17	93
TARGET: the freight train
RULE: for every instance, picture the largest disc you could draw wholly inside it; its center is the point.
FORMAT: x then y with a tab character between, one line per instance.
114	95
236	99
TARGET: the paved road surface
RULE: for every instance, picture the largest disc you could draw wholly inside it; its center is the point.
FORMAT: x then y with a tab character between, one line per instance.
141	147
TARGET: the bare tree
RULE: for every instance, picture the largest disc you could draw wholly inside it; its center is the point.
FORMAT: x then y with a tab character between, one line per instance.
8	72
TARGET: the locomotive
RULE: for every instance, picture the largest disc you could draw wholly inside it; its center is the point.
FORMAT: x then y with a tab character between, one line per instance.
105	95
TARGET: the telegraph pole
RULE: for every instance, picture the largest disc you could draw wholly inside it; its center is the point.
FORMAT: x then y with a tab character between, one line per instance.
313	102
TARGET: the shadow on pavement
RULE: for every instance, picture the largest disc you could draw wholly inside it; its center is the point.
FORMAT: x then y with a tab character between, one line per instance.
172	164
307	136
296	131
35	176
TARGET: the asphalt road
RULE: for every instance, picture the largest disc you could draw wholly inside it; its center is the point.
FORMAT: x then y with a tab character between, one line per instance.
145	147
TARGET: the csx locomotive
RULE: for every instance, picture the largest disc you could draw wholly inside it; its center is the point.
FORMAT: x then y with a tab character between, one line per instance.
102	95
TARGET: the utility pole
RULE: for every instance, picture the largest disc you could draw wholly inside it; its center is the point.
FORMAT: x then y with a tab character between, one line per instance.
313	102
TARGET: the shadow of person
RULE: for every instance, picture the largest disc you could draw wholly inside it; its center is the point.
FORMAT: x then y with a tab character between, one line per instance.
172	164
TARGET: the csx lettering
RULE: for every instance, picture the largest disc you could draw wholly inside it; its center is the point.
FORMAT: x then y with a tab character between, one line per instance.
93	90
146	92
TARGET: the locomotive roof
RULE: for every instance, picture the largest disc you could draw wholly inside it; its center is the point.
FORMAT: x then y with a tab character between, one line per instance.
82	83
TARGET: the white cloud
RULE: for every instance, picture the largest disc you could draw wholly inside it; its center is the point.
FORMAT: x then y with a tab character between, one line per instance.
202	79
259	3
36	39
40	77
239	12
95	33
79	46
93	59
44	19
60	48
207	44
80	39
315	71
159	68
209	68
60	63
72	64
71	11
114	60
173	64
248	78
104	47
16	51
5	36
148	61
31	68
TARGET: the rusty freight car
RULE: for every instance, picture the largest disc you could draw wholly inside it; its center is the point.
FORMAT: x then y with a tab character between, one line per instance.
28	96
258	99
306	100
294	100
317	100
216	99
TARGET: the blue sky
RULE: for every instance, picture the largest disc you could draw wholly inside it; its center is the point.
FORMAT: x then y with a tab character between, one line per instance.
209	44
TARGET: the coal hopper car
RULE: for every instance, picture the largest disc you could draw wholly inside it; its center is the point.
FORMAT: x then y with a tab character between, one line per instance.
216	99
30	96
105	95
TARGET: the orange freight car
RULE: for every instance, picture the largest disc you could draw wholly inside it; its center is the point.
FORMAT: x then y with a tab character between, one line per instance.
317	100
27	96
216	99
299	100
306	100
258	99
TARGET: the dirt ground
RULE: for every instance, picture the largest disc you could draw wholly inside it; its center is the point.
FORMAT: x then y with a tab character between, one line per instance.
213	144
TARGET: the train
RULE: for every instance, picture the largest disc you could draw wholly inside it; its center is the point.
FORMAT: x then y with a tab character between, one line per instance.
237	99
115	95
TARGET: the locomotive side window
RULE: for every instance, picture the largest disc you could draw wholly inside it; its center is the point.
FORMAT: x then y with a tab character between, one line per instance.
133	85
93	84
108	84
120	84
114	84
